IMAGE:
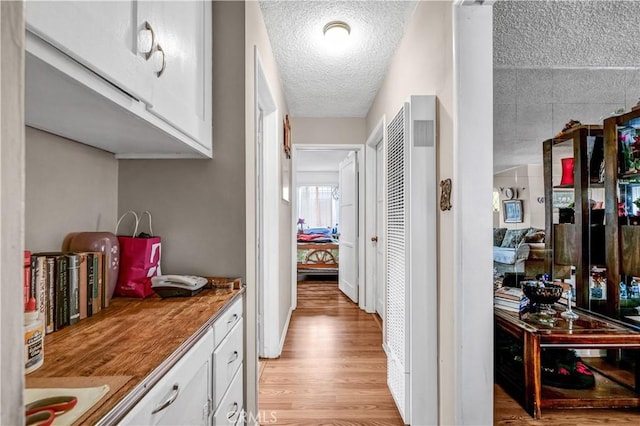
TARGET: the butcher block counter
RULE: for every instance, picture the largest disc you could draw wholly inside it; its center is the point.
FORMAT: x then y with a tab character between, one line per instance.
130	345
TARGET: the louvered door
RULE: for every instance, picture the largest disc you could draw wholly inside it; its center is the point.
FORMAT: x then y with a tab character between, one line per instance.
396	277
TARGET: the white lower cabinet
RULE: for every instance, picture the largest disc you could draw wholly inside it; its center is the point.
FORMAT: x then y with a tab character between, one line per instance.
183	395
206	385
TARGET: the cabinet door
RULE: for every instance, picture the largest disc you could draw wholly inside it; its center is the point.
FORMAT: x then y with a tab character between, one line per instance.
183	395
181	67
101	35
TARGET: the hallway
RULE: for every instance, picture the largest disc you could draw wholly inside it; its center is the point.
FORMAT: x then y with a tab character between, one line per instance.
332	370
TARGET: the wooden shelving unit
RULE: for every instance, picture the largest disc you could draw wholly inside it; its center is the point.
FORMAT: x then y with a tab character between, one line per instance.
569	243
622	238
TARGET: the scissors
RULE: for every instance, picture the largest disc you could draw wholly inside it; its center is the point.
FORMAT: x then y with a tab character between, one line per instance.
43	411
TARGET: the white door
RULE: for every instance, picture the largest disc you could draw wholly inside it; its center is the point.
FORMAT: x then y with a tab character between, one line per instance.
379	243
348	254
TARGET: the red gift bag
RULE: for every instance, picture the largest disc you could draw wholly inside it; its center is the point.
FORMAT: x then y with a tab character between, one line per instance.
139	260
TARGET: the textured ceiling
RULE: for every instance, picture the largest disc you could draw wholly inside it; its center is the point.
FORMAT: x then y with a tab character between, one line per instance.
578	33
320	83
559	60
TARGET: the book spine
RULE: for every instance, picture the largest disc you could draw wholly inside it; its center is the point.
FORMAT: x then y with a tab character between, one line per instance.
50	318
104	283
82	285
62	299
97	291
27	285
90	283
40	274
73	279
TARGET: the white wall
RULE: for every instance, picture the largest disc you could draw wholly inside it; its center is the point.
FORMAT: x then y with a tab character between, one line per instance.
322	131
317	178
70	187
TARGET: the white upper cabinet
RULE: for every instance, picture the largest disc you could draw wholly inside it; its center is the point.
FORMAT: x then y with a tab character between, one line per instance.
129	77
181	63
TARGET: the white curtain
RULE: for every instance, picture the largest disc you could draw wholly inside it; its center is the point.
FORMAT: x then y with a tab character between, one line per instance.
317	206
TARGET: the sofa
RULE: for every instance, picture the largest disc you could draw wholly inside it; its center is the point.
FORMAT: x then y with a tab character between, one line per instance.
518	250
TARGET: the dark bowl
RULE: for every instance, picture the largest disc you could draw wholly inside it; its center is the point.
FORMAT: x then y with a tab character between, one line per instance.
546	295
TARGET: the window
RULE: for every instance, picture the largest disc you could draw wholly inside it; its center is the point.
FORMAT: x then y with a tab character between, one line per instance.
318	206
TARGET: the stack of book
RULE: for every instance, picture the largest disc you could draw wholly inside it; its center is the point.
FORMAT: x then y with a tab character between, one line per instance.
510	299
67	287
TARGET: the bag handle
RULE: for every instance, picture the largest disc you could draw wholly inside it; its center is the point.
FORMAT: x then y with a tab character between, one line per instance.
148	213
135	230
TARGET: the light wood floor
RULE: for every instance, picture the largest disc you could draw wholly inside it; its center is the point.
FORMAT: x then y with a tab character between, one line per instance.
333	372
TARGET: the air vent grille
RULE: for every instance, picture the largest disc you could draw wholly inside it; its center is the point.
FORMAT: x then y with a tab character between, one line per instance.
396	255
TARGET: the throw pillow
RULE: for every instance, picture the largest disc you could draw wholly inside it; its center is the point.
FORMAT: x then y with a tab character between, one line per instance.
513	237
498	236
534	236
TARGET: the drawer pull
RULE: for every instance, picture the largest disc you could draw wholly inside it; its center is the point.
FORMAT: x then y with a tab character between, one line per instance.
231	414
234	318
234	357
169	401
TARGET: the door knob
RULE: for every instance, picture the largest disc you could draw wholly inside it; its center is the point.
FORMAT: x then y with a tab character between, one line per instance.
374	239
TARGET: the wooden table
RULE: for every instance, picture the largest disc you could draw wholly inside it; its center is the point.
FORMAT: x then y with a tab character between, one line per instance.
614	387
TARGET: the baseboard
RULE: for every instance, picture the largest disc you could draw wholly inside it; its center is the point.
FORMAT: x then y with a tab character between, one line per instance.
385	348
284	331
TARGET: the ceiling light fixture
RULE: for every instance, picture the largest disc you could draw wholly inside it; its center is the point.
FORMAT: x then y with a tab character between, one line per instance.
337	32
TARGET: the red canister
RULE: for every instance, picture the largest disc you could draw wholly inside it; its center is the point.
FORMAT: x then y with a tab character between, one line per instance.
567	171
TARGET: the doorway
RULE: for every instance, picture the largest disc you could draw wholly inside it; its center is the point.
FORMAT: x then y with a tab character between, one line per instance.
316	166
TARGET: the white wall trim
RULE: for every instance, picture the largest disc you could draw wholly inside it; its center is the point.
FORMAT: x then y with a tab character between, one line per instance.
285	328
377	135
361	213
471	199
294	228
12	184
267	223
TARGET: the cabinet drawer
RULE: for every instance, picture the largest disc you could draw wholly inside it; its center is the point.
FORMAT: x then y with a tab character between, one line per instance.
225	323
184	391
227	358
230	409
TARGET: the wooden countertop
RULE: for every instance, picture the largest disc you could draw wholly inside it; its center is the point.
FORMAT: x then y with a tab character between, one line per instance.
132	338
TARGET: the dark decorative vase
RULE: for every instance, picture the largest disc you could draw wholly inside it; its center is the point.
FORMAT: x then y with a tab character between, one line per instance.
567	171
597	216
566	215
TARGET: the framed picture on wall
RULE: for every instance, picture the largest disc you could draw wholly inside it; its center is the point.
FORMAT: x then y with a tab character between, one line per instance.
287	136
512	211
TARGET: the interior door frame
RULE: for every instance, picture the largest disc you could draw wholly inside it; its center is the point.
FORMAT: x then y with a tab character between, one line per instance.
267	229
360	151
378	135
